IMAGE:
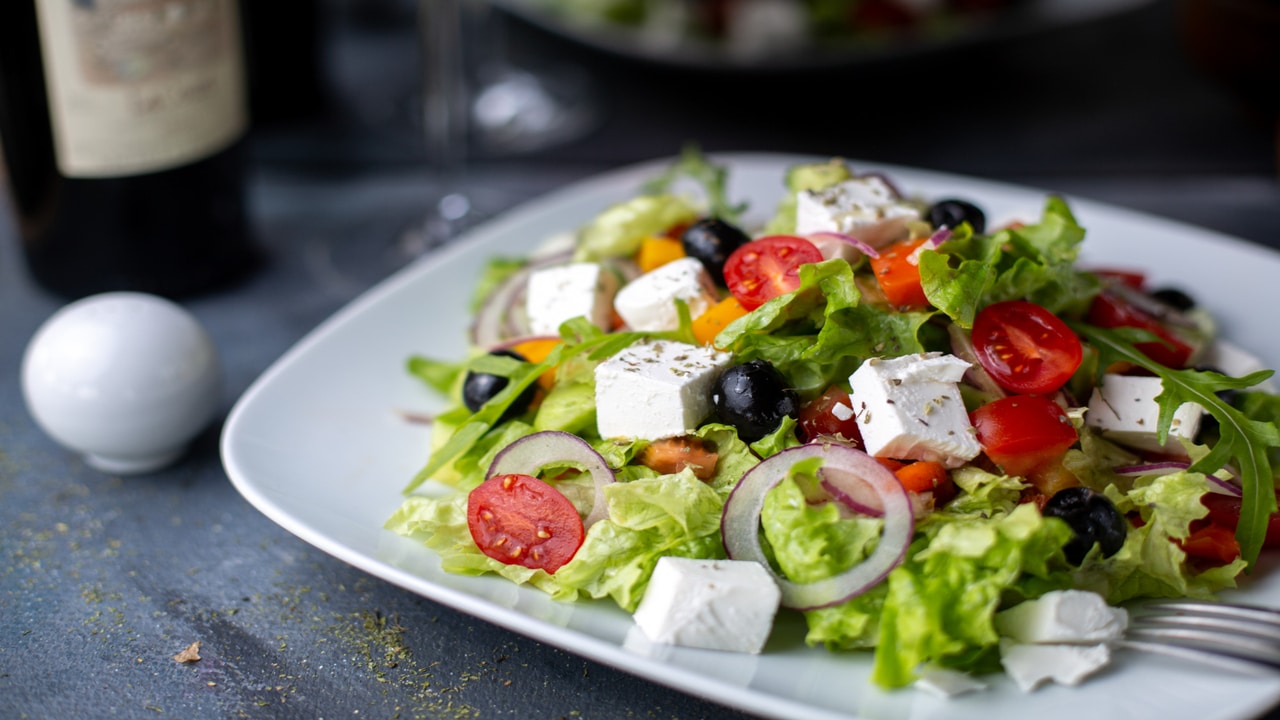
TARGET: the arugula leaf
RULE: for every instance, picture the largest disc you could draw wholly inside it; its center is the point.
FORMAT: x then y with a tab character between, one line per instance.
712	177
1245	441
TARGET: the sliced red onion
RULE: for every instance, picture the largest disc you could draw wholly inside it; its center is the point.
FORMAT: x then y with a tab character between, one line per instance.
1224	487
977	376
490	325
861	246
1154	468
857	496
1216	484
534	452
942	235
740	524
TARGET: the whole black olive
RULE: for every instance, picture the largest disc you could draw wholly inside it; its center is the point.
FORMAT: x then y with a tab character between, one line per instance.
753	397
480	388
1174	298
951	212
712	241
1094	519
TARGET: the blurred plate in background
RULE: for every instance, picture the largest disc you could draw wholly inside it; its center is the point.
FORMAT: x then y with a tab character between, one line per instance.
797	34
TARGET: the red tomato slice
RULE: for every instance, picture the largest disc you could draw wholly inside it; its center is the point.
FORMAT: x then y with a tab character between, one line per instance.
818	417
521	520
1024	347
1213	543
1109	310
898	271
1023	432
1224	510
765	268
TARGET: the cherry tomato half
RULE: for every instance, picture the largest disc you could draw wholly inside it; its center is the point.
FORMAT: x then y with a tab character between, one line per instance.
1024	347
521	520
768	267
829	414
1110	310
1023	432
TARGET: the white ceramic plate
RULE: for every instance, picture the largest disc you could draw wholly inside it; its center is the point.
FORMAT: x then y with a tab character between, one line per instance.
319	445
665	47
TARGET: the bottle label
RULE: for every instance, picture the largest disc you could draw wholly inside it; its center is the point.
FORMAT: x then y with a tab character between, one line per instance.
138	86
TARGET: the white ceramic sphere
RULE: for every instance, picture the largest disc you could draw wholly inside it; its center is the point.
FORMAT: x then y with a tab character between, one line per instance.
126	379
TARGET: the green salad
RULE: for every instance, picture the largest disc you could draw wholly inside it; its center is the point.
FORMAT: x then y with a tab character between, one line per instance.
913	421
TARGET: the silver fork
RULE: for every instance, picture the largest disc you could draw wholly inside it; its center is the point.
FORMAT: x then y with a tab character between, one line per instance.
1237	637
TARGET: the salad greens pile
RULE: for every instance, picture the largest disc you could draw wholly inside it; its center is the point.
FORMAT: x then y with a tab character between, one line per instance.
983	550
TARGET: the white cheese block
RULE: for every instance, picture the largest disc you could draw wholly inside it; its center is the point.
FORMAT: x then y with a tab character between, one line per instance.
864	207
909	408
1030	666
556	294
656	389
1063	616
648	303
712	604
1124	409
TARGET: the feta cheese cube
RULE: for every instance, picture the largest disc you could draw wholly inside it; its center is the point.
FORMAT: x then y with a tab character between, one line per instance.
656	389
1124	409
712	604
564	292
1030	666
909	408
865	207
1063	616
648	303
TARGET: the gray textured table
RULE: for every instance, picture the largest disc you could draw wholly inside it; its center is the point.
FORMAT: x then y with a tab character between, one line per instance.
103	579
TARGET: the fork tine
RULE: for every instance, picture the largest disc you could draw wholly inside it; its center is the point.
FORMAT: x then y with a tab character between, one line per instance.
1246	648
1249	613
1226	624
1205	657
1222	634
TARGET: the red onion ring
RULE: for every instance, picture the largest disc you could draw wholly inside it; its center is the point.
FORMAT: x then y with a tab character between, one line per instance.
490	325
861	246
740	524
533	452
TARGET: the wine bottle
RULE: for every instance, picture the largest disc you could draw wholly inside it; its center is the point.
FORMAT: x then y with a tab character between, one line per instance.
123	126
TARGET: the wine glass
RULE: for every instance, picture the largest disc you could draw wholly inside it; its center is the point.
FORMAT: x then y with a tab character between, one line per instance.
477	103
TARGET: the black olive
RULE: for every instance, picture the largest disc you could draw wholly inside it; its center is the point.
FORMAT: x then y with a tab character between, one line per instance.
1094	519
1174	298
753	397
952	212
712	241
479	388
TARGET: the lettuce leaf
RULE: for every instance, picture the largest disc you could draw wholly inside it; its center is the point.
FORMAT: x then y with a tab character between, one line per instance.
675	515
619	230
820	334
1032	262
941	601
1150	564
